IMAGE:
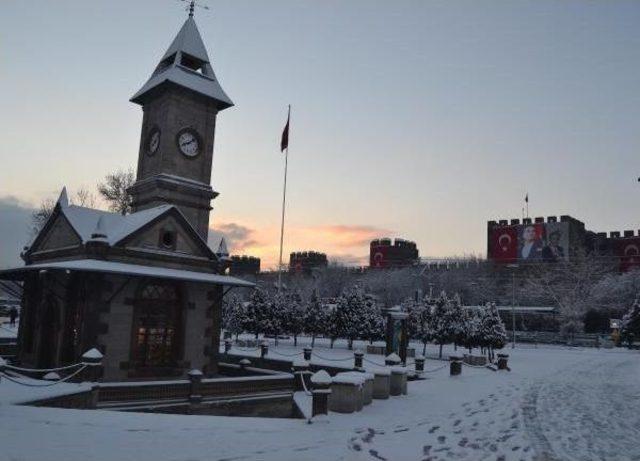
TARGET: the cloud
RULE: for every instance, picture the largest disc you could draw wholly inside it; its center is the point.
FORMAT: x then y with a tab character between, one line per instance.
345	244
237	236
15	229
345	236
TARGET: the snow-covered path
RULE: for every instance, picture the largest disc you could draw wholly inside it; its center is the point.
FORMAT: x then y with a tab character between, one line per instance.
592	407
557	403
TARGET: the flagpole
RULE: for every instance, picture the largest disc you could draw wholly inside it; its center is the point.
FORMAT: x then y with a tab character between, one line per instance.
284	201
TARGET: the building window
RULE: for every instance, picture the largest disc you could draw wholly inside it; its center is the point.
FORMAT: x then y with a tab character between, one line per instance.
168	239
157	327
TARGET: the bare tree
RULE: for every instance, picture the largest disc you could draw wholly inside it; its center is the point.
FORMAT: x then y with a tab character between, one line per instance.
41	215
114	190
571	285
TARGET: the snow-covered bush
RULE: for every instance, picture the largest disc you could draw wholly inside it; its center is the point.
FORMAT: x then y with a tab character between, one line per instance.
492	333
630	328
316	318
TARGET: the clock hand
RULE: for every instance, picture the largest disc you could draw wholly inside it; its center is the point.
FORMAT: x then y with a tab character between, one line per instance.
187	143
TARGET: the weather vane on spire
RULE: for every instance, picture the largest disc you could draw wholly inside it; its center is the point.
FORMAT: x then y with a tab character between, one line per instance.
192	6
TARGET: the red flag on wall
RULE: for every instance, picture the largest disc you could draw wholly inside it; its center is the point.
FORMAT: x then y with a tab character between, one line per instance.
284	142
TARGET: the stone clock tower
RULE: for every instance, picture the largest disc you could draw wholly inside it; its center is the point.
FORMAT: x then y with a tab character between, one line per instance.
180	101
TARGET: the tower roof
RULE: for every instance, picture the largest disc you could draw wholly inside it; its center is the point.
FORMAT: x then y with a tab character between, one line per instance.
186	64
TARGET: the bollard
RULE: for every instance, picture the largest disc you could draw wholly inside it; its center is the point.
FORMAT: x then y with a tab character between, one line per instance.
195	388
419	367
455	365
307	353
264	349
227	345
244	363
93	361
357	359
3	365
503	360
321	383
392	360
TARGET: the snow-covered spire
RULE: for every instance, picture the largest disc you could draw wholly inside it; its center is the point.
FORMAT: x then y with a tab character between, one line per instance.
222	252
186	64
99	234
63	200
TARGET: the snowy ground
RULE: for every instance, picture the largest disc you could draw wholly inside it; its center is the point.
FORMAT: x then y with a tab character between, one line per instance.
557	403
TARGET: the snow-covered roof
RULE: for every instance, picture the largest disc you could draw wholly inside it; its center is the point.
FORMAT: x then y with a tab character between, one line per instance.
136	270
114	226
187	45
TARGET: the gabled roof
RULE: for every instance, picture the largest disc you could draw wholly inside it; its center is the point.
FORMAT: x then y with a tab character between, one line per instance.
188	44
114	226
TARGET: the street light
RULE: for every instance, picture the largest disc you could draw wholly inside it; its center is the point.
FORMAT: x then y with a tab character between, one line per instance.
513	302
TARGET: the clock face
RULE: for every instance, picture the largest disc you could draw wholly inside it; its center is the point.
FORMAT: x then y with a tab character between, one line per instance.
153	142
188	143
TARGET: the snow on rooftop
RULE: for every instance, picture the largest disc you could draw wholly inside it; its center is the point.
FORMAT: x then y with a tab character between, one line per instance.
115	226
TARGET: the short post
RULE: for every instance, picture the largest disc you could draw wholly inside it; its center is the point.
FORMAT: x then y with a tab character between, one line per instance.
321	384
358	355
51	376
195	388
227	345
264	349
419	363
392	360
307	353
455	365
244	363
92	360
3	365
503	360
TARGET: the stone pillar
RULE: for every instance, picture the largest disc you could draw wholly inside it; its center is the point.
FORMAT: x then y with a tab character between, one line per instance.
227	345
357	359
320	383
503	360
264	349
381	383
455	365
307	353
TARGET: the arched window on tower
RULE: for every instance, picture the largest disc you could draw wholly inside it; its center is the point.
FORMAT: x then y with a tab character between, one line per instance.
157	325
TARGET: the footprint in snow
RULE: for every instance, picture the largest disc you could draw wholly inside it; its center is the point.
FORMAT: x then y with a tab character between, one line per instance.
442	438
433	429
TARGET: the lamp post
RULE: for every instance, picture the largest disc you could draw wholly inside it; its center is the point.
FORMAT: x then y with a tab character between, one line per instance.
513	302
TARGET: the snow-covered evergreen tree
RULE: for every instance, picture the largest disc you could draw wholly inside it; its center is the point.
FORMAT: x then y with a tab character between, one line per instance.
630	327
443	322
492	334
420	320
293	320
372	322
256	312
348	314
458	319
234	316
471	329
316	318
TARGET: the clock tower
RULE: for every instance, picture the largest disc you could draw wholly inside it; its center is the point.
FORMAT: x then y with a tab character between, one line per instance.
180	103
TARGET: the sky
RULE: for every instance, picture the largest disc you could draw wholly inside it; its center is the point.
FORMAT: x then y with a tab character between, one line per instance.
416	119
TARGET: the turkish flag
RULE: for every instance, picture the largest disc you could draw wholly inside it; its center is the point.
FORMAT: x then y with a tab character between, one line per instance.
284	141
504	244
